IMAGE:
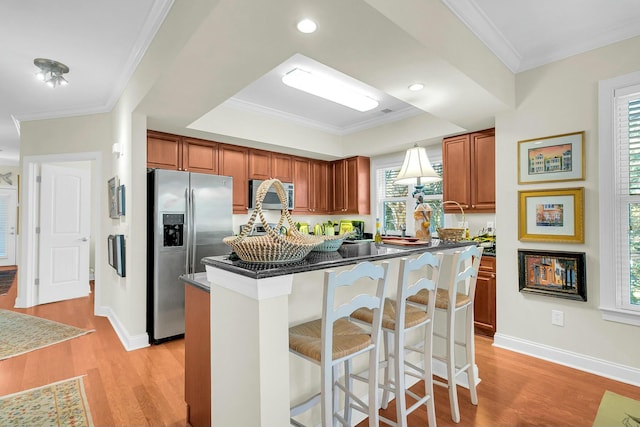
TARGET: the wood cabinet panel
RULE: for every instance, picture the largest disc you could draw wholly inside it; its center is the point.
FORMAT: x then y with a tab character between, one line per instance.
301	172
468	163
234	162
164	150
199	156
351	186
282	167
485	298
483	194
320	188
259	164
197	356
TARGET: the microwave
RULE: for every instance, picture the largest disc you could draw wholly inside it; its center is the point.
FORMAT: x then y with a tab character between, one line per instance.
271	200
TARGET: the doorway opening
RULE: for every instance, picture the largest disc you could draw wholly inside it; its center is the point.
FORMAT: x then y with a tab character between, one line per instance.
34	205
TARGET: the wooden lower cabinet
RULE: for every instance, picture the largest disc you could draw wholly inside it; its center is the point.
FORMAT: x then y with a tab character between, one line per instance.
197	356
485	298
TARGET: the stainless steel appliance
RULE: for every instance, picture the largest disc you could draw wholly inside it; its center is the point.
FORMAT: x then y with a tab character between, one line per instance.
188	216
271	200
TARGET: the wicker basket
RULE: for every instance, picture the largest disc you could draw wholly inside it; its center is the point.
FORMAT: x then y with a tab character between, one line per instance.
272	247
452	234
331	243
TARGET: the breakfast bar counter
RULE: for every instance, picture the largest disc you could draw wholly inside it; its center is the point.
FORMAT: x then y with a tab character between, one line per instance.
252	307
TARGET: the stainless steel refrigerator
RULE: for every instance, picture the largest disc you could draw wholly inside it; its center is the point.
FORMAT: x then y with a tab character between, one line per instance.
188	216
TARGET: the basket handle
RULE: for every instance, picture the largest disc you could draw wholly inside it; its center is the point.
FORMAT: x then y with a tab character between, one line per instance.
456	203
258	212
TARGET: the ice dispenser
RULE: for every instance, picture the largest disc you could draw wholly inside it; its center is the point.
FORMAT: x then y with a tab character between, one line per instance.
172	229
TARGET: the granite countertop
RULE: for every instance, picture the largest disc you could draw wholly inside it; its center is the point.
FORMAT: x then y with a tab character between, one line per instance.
348	253
198	280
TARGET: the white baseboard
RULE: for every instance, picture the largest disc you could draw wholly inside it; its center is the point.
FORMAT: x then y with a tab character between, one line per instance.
129	342
603	368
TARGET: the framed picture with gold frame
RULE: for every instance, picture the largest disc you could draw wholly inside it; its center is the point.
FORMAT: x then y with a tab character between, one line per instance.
555	215
551	159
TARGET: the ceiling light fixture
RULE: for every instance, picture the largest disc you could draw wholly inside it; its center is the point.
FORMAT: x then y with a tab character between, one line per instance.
51	72
416	87
329	89
307	26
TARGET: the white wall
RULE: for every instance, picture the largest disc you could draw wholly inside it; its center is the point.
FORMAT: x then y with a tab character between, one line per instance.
555	99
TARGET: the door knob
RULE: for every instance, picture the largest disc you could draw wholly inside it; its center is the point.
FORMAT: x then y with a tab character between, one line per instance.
84	239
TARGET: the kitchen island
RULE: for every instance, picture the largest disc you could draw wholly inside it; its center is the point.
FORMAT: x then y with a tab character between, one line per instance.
252	307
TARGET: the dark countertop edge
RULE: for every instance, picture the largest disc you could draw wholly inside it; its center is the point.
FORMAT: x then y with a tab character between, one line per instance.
219	261
199	280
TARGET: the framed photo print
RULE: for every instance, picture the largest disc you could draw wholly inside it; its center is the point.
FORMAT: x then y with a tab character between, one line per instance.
553	273
551	159
113	197
121	198
551	215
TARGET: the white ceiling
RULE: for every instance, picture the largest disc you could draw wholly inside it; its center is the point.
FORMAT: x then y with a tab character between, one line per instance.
103	42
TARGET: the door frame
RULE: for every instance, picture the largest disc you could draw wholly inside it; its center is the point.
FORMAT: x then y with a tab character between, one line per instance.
13	209
29	214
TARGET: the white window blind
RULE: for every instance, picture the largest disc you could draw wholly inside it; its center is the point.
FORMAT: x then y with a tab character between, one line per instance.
627	191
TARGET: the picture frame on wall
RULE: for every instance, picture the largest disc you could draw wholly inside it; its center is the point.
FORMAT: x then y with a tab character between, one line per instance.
551	159
557	274
555	215
120	255
113	197
121	200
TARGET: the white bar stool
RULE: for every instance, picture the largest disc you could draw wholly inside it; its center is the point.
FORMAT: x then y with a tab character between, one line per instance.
398	319
457	296
334	339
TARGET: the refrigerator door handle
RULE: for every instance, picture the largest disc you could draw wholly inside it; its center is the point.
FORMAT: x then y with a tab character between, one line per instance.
194	229
188	231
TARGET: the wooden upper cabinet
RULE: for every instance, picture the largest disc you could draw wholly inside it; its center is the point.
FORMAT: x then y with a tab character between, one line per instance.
351	186
199	156
319	178
259	164
483	167
167	151
468	164
164	151
282	167
234	162
301	170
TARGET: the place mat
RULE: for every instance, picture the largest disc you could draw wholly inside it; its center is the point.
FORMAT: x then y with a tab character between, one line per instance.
59	404
21	333
6	280
617	410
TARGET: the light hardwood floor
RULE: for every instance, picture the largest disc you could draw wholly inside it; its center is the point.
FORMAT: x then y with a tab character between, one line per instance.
146	387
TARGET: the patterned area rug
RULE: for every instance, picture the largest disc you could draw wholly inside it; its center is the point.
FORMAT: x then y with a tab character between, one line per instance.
616	410
6	280
59	404
21	333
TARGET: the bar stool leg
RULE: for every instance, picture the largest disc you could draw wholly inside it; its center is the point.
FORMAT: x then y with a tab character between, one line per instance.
451	367
471	355
387	371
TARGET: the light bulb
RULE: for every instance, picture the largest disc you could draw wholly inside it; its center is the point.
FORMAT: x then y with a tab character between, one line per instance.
40	75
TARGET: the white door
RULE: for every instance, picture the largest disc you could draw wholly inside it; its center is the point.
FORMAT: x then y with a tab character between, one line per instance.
64	233
8	208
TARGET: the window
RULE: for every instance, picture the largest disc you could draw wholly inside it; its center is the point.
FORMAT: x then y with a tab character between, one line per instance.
619	151
395	203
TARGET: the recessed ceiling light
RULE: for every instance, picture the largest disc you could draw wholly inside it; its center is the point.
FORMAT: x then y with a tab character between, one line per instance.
416	87
329	89
307	26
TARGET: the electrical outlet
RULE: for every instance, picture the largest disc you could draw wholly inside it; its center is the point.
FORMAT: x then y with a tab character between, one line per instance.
557	317
490	227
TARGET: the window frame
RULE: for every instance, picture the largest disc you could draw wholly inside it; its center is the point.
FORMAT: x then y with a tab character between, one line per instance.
395	162
611	305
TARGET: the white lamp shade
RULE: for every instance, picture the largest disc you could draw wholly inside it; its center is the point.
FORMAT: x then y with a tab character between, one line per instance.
416	168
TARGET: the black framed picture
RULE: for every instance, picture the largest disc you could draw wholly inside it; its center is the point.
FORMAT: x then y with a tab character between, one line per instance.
120	255
111	250
554	273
